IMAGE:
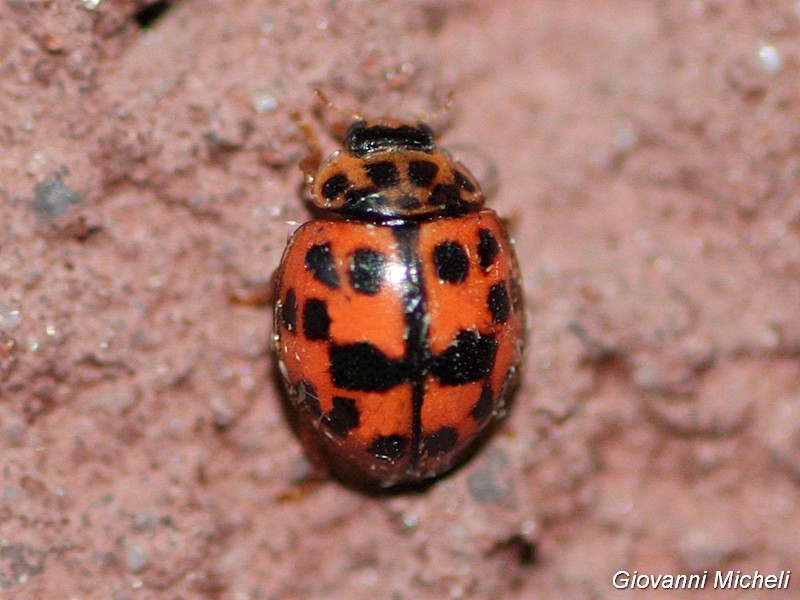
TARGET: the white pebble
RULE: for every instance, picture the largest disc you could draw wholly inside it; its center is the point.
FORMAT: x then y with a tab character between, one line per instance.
770	58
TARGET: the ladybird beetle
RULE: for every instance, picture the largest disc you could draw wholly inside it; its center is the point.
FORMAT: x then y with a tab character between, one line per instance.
399	322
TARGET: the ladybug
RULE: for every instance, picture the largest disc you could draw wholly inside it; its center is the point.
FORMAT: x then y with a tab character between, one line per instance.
398	322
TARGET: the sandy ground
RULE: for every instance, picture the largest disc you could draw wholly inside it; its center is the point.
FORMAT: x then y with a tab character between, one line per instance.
647	153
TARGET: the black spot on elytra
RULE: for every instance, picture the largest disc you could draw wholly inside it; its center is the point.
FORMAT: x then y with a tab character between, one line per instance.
320	262
487	248
366	271
335	185
316	321
469	358
383	174
362	367
450	259
464	183
422	172
499	303
388	447
440	442
483	408
343	417
289	311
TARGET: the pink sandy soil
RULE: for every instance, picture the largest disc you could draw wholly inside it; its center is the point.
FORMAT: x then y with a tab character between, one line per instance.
647	154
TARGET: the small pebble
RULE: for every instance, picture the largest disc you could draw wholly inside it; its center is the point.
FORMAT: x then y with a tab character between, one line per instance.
52	199
136	557
770	58
489	484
